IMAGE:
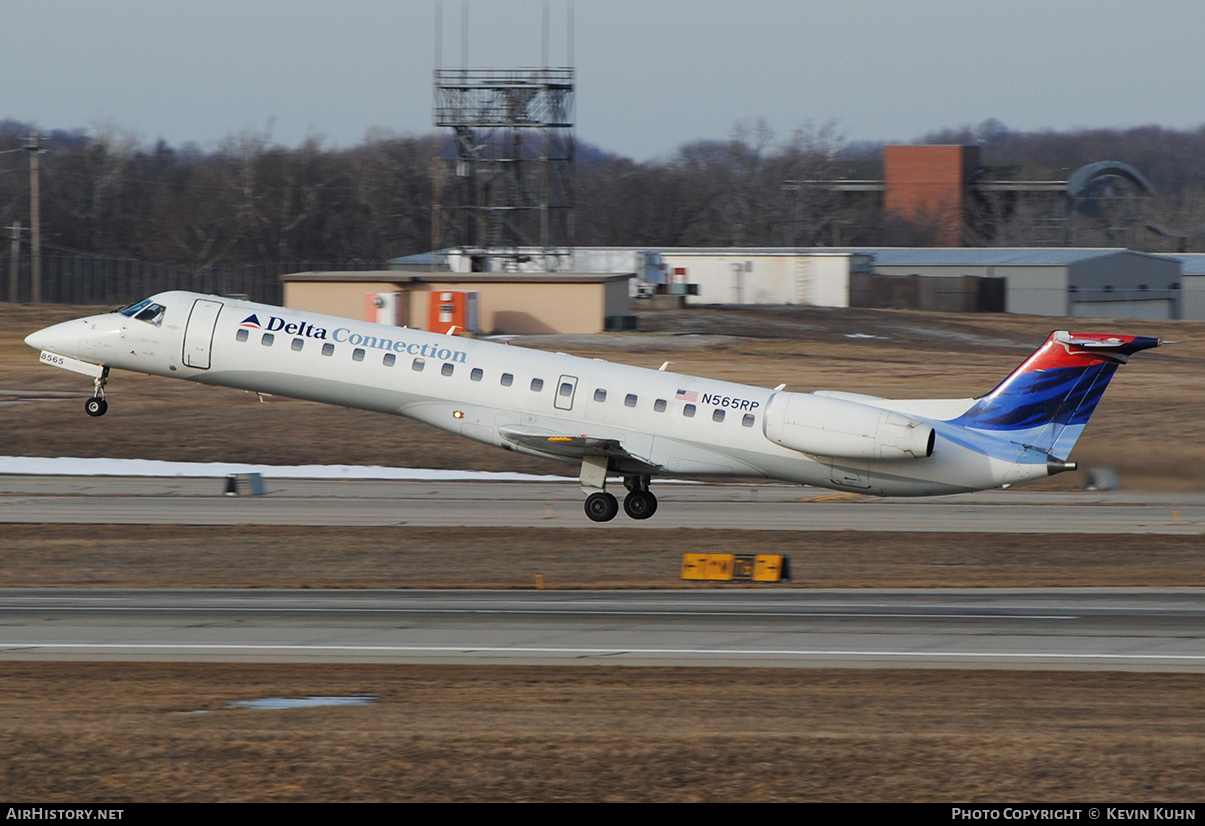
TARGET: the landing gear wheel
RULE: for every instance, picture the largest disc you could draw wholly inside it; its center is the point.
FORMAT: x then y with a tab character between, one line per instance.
640	504
96	406
601	506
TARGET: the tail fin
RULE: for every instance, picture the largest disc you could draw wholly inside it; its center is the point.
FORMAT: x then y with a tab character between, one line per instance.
1046	402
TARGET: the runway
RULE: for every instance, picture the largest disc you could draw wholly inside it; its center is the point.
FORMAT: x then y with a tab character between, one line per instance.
1088	629
1135	629
199	501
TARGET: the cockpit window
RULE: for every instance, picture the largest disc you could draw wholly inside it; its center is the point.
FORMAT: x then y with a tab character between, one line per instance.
145	310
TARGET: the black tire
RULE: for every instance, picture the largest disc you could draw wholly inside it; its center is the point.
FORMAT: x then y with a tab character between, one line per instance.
640	504
96	407
601	506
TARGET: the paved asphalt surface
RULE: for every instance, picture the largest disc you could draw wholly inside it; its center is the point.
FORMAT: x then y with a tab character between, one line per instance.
1104	629
192	501
1140	629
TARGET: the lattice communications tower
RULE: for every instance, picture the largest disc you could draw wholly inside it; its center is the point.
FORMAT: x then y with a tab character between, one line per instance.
504	179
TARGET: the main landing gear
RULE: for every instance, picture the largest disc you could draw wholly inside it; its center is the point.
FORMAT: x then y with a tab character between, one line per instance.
640	503
97	406
601	506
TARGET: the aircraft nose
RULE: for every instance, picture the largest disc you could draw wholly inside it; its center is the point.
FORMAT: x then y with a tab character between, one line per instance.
62	338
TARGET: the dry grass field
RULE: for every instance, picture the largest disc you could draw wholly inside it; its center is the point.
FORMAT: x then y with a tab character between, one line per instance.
91	732
254	556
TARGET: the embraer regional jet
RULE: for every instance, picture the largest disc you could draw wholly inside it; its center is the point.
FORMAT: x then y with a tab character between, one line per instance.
611	419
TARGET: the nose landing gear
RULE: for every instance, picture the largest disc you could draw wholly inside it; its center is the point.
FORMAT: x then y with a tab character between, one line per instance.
97	406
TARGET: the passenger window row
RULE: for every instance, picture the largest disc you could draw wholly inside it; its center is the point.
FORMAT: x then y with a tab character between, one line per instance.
357	354
506	379
661	405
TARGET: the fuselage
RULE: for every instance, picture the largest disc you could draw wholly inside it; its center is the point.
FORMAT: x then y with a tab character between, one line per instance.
530	401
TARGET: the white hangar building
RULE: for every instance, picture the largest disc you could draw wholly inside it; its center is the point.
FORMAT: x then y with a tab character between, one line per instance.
772	275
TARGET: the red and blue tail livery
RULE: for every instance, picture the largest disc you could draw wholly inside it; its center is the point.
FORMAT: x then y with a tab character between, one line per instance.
1046	402
611	420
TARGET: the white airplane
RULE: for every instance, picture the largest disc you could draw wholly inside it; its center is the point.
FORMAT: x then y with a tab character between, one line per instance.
611	419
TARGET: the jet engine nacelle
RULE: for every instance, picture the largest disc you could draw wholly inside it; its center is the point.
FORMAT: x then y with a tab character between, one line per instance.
844	429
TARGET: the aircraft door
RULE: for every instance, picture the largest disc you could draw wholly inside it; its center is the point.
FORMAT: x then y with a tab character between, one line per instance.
566	387
198	335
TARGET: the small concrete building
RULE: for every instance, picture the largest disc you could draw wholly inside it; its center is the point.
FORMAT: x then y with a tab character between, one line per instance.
519	303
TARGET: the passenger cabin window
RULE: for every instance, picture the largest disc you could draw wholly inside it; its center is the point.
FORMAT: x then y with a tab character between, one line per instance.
357	354
537	385
688	411
600	395
298	343
476	374
241	335
389	360
659	405
629	400
417	365
328	349
267	339
507	380
566	389
747	420
447	368
718	415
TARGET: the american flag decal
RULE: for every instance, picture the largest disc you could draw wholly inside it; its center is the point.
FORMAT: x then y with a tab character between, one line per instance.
687	395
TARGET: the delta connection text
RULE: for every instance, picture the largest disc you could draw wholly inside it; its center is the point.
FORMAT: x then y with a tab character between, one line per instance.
1095	813
345	335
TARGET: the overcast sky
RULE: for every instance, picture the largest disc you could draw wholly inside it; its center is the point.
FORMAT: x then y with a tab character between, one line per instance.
651	74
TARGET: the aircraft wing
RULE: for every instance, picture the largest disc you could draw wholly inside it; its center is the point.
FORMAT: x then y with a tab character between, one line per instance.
577	447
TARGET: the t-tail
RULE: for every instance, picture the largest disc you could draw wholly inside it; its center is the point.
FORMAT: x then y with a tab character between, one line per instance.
1043	406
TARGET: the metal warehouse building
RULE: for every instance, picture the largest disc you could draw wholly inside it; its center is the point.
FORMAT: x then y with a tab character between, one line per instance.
1192	284
1099	282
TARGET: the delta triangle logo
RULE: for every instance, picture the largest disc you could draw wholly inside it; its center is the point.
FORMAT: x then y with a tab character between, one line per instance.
251	321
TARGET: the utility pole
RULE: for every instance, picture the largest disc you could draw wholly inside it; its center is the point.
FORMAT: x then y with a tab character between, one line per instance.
14	264
35	223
